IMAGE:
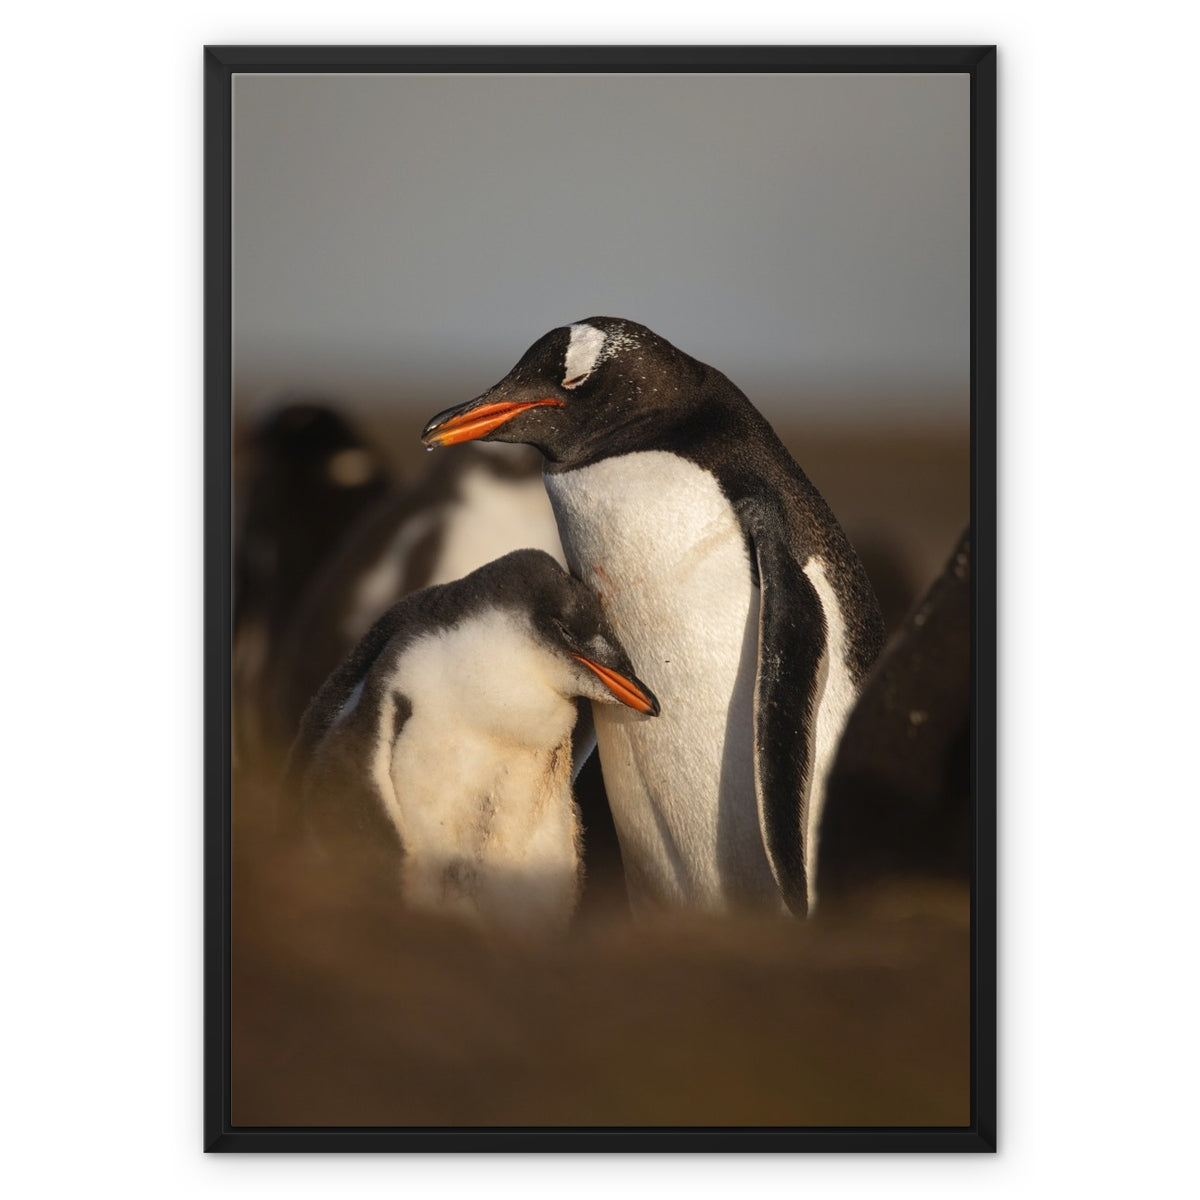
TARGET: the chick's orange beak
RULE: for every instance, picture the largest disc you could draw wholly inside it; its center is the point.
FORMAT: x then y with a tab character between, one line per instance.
629	691
466	423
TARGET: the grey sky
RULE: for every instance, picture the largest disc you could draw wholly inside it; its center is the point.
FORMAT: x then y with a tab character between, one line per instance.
412	235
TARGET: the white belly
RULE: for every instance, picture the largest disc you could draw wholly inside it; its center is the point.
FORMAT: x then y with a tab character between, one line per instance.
478	782
490	833
656	539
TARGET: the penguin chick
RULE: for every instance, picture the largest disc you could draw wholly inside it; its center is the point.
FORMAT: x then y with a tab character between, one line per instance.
716	559
437	757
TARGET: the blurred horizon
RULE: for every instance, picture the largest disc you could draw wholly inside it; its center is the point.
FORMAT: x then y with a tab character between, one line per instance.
400	240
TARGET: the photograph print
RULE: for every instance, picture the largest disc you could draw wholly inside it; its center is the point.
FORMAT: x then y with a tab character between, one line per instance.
601	541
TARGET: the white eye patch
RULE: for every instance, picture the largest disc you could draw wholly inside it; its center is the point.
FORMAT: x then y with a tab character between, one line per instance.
583	353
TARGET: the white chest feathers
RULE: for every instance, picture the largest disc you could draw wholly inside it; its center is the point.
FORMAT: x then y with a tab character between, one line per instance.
656	539
478	780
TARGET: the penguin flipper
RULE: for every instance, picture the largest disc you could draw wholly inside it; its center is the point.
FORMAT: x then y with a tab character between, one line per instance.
583	739
791	643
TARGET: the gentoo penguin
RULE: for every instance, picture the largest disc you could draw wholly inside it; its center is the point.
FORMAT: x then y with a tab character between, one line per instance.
310	474
306	476
898	801
717	562
466	511
437	757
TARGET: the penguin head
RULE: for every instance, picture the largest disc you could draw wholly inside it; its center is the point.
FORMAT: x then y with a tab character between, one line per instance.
565	619
317	447
574	389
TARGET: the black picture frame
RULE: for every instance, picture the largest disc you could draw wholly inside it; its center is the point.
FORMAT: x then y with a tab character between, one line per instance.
221	63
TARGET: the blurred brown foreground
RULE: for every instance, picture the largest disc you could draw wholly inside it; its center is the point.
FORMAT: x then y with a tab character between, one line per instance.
346	1011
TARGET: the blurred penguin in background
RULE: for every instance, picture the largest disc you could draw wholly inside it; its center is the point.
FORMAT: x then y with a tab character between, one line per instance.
898	804
464	513
306	475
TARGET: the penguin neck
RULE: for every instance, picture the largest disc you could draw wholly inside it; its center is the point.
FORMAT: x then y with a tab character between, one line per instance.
656	414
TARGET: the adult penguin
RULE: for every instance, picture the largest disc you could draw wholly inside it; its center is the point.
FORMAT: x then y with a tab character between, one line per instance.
722	570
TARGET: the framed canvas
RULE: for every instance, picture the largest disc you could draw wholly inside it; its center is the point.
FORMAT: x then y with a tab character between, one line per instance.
387	231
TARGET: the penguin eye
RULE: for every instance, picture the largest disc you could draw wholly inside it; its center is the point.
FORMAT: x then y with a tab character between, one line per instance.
566	637
574	383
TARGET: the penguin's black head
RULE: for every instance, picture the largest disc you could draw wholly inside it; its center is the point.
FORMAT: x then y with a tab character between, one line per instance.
577	389
313	442
566	617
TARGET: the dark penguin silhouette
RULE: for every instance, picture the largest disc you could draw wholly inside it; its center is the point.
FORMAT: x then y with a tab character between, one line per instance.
437	758
308	475
898	802
724	572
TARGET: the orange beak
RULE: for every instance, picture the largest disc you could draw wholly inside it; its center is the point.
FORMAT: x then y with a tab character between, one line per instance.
459	425
628	691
